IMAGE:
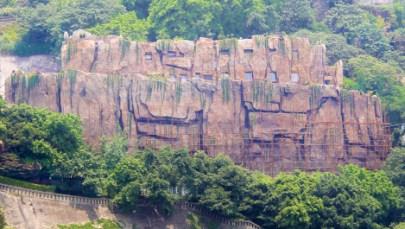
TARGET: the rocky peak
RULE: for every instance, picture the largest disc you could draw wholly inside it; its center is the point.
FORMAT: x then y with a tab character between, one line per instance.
271	103
279	59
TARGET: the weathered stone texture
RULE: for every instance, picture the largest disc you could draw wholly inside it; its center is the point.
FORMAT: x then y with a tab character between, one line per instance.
264	126
200	95
260	57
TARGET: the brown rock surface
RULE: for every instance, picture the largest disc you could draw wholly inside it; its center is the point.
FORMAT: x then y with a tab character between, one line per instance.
198	95
260	56
264	126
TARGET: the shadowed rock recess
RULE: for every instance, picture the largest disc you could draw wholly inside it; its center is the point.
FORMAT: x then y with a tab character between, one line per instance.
269	102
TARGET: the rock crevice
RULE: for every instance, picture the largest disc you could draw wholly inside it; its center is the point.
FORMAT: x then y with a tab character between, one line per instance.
270	102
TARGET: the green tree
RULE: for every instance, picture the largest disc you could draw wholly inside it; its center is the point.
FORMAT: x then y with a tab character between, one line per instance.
290	203
141	7
188	19
379	187
53	142
138	177
359	27
399	12
253	206
217	184
125	184
395	170
295	15
383	79
332	3
102	164
126	25
345	204
194	221
336	46
243	18
3	223
47	23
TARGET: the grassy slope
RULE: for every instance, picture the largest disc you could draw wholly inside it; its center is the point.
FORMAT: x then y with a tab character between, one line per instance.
25	184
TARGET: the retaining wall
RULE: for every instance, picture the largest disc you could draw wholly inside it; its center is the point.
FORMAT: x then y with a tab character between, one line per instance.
107	202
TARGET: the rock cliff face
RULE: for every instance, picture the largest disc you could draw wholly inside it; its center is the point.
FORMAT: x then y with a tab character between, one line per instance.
263	125
37	63
275	58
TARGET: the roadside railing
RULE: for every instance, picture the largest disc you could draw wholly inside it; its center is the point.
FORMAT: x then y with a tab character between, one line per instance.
108	203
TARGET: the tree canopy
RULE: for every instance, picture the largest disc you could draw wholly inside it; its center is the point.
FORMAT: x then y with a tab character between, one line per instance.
53	142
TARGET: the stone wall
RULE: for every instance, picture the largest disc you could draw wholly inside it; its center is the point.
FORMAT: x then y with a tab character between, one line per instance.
260	125
26	208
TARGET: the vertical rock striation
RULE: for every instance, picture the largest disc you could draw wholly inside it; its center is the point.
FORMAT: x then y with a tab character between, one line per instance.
270	103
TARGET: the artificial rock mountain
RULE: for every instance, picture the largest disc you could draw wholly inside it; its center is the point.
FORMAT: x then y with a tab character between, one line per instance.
270	103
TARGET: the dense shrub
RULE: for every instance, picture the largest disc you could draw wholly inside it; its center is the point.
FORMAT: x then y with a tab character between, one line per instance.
359	27
353	197
51	142
47	23
126	25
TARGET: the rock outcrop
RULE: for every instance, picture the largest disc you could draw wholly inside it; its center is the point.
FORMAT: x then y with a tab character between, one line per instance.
275	58
291	115
36	63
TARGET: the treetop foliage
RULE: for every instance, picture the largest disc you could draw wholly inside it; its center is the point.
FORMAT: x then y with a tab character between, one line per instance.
353	197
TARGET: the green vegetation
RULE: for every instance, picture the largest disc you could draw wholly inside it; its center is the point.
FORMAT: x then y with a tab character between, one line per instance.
125	46
46	23
10	36
163	45
318	199
194	221
70	51
395	170
262	91
26	184
178	91
372	75
53	142
156	83
370	45
228	44
99	224
2	219
348	98
126	25
314	98
226	86
359	27
72	76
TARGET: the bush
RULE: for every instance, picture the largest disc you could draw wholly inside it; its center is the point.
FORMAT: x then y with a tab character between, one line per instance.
10	37
336	45
47	23
25	184
395	170
359	27
295	15
382	79
2	219
126	25
99	224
